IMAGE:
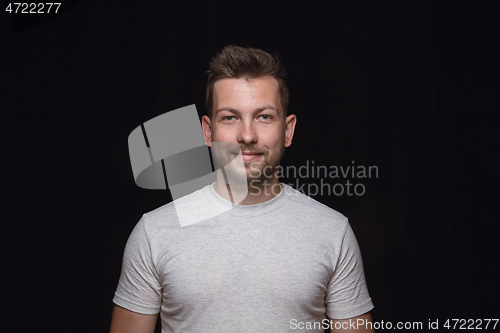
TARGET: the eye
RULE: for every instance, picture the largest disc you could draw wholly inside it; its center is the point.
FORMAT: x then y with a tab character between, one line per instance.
228	118
265	117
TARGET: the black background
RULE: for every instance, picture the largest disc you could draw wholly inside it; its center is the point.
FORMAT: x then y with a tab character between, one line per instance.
408	86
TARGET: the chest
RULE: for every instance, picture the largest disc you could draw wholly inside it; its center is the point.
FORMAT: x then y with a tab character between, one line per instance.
218	265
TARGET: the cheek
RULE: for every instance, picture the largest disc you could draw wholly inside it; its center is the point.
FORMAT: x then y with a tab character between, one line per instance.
222	134
274	139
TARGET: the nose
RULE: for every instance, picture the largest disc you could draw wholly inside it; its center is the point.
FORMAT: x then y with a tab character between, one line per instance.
247	133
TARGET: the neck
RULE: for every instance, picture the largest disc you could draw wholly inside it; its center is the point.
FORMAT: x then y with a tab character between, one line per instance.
252	195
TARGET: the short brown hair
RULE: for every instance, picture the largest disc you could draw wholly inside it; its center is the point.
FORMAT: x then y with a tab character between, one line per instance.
245	62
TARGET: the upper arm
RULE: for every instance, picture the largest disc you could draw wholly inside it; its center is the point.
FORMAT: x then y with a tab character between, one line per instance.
126	321
140	287
357	324
347	293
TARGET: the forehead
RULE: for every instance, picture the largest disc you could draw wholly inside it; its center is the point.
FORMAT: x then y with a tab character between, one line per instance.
246	94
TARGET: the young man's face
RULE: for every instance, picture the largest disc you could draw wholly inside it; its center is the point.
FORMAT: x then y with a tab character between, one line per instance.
247	115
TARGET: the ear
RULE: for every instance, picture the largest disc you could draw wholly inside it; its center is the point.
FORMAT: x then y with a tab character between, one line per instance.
206	125
290	122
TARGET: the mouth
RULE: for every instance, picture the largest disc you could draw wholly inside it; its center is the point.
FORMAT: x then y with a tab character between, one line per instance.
248	156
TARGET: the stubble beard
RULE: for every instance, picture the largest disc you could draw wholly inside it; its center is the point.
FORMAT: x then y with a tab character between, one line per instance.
258	175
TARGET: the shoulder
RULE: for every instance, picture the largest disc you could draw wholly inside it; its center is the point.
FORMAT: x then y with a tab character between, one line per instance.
316	212
168	214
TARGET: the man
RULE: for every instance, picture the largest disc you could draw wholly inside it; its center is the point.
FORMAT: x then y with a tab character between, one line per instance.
268	259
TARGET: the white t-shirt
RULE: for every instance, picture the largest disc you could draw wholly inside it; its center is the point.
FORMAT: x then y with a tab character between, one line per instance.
251	268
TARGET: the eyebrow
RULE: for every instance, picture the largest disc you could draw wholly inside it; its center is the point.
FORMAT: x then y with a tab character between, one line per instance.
262	108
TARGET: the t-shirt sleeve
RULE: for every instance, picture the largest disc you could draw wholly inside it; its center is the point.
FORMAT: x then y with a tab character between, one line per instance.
139	287
347	294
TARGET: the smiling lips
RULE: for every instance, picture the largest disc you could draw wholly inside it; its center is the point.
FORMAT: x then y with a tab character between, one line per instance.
249	155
